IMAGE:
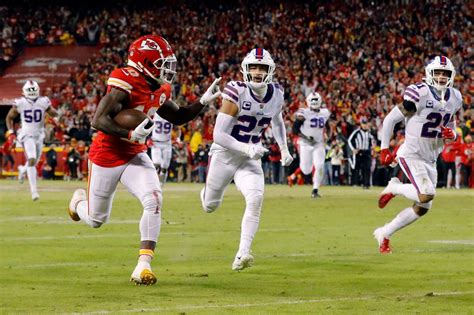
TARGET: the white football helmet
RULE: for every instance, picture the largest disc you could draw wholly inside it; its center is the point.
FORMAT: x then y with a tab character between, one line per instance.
31	90
439	63
314	101
258	56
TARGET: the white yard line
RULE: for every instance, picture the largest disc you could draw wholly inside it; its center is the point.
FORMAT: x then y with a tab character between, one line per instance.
71	188
108	235
56	265
286	302
462	242
221	257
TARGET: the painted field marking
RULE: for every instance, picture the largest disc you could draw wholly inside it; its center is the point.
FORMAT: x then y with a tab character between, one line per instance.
287	302
108	235
462	242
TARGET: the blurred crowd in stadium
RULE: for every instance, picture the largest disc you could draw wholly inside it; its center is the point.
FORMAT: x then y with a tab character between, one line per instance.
357	55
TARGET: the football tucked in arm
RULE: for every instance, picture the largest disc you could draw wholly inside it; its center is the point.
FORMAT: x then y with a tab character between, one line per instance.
131	118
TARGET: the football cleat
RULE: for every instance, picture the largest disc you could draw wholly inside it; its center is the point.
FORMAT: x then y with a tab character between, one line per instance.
78	196
142	275
21	174
291	182
387	193
35	196
384	243
242	261
385	199
315	194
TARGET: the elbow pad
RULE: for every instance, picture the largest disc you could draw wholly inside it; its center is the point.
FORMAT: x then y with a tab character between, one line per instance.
409	106
297	126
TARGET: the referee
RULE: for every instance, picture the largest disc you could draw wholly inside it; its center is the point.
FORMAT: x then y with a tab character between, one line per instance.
360	141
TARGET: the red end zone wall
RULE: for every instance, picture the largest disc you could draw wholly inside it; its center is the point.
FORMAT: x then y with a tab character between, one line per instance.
61	167
48	65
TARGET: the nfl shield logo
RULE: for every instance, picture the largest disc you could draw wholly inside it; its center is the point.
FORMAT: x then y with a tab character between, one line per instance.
429	104
261	106
162	98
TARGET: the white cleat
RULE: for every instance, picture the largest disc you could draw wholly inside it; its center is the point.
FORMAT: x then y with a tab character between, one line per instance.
35	196
142	275
78	196
242	261
389	189
21	174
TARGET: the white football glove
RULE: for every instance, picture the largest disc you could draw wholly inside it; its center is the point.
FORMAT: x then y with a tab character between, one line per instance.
286	157
255	151
212	93
139	134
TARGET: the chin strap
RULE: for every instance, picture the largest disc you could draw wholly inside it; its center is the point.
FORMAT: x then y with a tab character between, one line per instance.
443	93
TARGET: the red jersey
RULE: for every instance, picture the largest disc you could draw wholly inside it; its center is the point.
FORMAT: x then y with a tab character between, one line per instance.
9	144
108	150
449	152
467	153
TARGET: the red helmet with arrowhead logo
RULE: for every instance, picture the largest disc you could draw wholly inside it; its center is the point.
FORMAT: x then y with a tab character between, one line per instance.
153	56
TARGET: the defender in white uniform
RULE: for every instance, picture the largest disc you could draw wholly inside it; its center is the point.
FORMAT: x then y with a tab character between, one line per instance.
429	110
309	125
247	109
161	149
31	108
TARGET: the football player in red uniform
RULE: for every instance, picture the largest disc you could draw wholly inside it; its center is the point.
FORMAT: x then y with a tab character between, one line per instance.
119	154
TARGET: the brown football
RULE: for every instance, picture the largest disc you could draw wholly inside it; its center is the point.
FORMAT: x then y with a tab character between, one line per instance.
131	118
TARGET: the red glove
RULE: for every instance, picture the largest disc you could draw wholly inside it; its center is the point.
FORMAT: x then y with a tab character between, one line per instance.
447	133
386	157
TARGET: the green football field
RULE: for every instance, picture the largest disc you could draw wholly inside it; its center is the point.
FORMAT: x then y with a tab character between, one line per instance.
311	256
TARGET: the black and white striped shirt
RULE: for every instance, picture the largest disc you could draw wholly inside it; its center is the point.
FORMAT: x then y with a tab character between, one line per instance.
360	140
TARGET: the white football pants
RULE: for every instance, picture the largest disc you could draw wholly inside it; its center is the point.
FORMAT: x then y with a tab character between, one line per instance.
140	178
313	155
249	179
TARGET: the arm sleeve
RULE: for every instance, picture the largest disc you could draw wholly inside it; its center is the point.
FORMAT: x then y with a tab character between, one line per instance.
297	126
351	137
394	117
279	130
222	135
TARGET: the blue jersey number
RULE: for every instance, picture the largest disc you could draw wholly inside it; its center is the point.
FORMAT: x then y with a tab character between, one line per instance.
241	132
33	115
317	122
430	128
162	127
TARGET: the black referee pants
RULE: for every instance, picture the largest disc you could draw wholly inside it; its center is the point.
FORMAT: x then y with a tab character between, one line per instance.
362	169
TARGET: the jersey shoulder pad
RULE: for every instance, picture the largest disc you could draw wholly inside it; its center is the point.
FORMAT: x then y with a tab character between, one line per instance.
278	87
279	92
457	94
412	93
18	101
233	90
123	78
326	112
45	101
